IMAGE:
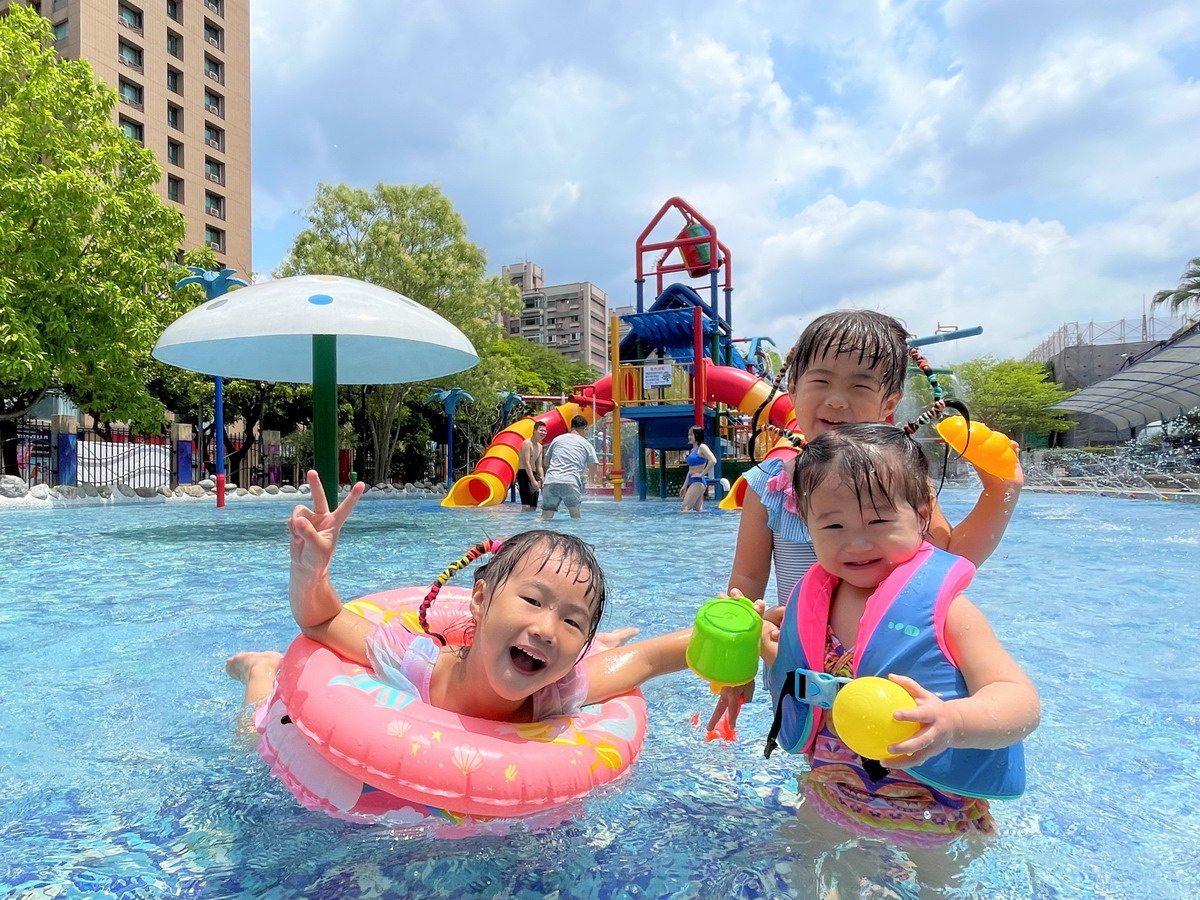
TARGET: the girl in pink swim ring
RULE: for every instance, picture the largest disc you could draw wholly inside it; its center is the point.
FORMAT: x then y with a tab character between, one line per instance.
476	712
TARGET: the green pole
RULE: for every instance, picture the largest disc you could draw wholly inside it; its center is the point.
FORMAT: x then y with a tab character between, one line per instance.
324	354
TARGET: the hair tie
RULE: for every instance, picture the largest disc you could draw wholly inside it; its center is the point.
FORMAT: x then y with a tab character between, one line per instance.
480	549
939	402
755	428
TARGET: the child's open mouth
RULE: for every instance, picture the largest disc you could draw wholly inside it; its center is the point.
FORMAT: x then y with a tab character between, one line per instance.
525	662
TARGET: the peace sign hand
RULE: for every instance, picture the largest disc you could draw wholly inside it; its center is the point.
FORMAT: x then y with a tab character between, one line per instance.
315	531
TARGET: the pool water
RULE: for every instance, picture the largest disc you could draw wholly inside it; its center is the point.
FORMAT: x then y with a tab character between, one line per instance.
120	774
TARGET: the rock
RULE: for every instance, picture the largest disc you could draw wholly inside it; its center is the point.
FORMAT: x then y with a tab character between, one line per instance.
178	492
256	490
89	490
40	492
104	491
240	492
67	491
208	484
145	492
193	490
304	488
273	489
126	491
163	490
230	487
13	487
288	489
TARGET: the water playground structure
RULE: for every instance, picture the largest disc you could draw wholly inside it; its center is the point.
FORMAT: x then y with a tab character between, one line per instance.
679	365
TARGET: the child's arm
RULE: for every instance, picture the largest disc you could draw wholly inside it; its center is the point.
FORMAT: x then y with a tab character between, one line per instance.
752	555
315	604
1003	706
976	536
620	670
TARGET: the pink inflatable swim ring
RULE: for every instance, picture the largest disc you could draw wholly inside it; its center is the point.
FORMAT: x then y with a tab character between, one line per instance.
358	748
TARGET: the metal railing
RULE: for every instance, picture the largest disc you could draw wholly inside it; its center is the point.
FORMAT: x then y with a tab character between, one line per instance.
648	383
1125	331
138	460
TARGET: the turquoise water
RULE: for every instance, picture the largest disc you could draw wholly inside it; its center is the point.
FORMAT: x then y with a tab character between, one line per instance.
120	774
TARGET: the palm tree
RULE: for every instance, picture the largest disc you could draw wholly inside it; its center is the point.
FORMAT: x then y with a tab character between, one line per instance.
1184	294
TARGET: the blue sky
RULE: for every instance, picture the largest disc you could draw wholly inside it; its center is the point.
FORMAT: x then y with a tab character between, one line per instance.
1014	164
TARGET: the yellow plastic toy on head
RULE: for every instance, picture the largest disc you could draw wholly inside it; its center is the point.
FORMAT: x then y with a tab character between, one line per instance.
862	716
989	450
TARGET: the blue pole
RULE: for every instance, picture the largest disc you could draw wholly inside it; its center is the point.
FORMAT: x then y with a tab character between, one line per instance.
216	282
449	448
946	336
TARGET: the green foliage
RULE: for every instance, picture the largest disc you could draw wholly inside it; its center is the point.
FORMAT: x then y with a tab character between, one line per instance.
409	239
1010	395
539	370
86	245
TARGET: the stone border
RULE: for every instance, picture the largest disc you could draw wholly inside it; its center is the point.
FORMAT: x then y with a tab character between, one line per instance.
16	494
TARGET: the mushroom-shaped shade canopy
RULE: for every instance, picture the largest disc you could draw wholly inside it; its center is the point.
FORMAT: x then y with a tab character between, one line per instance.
264	333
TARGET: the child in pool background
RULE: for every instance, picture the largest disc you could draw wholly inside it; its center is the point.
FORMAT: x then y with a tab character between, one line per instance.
865	494
536	606
847	366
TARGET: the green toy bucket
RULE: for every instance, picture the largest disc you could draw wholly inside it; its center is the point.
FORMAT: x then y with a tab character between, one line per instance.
723	649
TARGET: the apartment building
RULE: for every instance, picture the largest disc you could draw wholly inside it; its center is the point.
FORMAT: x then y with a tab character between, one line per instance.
570	318
182	71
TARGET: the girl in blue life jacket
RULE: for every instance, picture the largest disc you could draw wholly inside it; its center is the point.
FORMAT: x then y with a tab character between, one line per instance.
883	601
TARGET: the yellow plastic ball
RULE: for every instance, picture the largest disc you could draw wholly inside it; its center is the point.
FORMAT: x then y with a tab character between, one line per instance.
862	716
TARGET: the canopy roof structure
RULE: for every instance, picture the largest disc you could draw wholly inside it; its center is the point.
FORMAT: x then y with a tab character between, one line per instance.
319	329
265	333
1160	385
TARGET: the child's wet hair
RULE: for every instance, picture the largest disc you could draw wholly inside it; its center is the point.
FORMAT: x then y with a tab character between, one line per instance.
871	337
883	464
571	556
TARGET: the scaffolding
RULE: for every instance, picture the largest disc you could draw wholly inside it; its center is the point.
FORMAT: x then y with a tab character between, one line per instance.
1126	331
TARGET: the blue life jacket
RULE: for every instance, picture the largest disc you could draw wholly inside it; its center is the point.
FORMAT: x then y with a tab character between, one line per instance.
902	631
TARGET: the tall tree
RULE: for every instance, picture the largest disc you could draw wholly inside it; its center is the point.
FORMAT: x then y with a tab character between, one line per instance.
540	370
86	245
1011	395
1186	294
409	239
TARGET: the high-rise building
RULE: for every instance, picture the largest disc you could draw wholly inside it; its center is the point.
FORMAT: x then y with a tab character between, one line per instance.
569	318
181	69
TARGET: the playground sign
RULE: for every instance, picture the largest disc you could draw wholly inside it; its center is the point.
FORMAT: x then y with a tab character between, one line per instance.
656	377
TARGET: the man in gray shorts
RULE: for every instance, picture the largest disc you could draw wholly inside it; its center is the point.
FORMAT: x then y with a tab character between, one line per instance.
569	457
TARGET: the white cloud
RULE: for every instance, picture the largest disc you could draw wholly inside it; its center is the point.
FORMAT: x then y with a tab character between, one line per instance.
1010	163
1019	280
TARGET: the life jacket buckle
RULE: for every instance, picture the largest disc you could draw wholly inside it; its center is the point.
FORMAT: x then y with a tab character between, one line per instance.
817	688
